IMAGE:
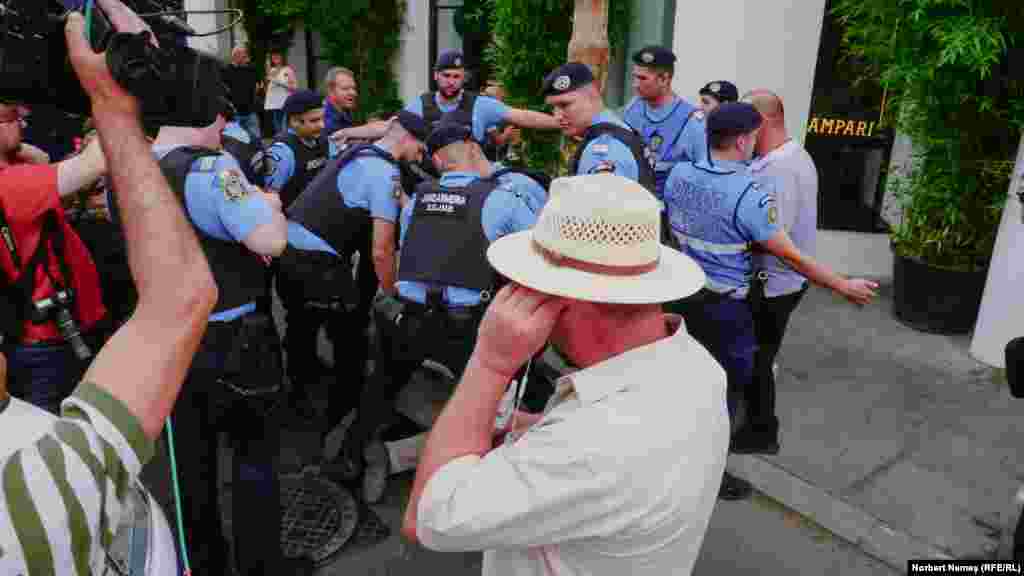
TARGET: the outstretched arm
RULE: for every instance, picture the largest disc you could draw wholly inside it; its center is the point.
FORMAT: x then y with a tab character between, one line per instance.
530	119
144	363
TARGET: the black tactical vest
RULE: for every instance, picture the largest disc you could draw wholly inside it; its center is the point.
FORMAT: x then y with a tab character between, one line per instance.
250	158
308	163
322	210
432	112
239	273
626	136
446	244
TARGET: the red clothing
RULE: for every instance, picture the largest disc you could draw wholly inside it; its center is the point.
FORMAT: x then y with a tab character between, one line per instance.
27	193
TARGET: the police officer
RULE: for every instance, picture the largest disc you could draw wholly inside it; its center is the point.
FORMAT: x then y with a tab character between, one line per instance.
297	155
716	93
352	206
234	377
487	112
247	149
608	144
444	281
719	215
672	128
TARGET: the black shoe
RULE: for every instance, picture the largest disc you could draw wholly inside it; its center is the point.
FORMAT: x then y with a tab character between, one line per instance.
734	488
346	467
297	567
750	441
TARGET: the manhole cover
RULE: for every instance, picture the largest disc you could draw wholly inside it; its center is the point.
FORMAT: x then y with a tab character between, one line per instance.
317	516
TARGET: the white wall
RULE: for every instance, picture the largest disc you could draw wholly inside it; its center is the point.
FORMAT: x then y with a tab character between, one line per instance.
1001	318
753	43
218	45
411	65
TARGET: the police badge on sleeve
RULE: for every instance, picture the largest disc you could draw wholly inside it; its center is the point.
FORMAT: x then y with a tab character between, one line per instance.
232	184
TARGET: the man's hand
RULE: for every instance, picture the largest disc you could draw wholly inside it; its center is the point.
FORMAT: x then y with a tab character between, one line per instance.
517	324
858	290
104	92
273	199
123	19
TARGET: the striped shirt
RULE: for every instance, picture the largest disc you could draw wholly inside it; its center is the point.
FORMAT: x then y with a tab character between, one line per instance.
64	488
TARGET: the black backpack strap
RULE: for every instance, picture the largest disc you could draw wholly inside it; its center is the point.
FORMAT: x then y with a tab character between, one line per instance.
467	102
8	235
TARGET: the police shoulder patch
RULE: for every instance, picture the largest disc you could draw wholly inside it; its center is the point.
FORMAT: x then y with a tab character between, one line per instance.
207	163
231	183
396	186
599	148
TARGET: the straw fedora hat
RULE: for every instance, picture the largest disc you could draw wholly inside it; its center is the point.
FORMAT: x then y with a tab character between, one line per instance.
597	239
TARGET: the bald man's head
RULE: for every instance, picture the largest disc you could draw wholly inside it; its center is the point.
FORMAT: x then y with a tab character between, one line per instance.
768	104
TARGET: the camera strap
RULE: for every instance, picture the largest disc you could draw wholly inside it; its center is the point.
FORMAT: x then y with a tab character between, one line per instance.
8	234
52	236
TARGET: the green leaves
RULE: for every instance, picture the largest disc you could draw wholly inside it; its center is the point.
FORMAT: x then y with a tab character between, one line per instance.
945	65
531	38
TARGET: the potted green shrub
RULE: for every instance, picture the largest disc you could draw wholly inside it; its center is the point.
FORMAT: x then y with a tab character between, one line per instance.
945	65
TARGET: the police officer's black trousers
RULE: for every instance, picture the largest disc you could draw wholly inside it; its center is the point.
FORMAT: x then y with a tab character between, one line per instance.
346	331
770	326
256	444
446	337
725	326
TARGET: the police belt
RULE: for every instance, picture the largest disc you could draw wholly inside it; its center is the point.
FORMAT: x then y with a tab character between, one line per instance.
457	317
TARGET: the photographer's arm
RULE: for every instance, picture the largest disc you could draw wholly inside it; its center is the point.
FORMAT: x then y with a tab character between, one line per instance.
144	363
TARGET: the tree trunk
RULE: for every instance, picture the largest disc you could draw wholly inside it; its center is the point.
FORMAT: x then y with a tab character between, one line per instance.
589	43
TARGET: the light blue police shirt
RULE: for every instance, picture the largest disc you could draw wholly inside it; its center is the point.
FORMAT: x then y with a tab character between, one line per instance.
506	210
717	211
674	132
282	161
607	153
487	112
373	184
303	238
533	193
217	214
234	130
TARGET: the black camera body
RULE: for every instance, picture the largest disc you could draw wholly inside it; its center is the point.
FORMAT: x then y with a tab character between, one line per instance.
175	84
58	309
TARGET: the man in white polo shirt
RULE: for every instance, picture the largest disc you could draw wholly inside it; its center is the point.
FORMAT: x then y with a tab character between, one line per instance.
781	165
621	472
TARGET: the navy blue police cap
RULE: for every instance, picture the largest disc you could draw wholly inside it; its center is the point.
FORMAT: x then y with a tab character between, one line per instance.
414	124
655	56
449	59
455	126
302	101
733	118
566	78
723	90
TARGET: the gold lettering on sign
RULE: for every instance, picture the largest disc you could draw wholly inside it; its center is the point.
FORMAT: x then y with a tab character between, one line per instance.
840	127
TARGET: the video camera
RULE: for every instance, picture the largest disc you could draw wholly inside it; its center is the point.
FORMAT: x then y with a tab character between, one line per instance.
175	84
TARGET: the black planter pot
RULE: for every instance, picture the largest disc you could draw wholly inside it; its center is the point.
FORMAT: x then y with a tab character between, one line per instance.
934	299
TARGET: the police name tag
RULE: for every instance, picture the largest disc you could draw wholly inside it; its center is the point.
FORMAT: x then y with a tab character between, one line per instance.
443	204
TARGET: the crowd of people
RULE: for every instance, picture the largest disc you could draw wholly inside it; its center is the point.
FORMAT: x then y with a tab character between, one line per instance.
663	270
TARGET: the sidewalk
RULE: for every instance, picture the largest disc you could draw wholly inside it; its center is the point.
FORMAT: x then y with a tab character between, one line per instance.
893	439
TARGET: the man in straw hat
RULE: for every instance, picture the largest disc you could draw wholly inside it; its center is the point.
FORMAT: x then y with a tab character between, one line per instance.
619	474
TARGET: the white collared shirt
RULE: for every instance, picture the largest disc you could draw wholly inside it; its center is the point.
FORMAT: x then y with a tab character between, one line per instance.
790	172
620	476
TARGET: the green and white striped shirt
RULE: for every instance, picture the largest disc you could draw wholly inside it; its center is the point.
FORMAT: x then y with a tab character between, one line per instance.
65	482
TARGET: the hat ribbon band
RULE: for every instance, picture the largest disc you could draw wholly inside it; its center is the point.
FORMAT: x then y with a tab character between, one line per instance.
556	259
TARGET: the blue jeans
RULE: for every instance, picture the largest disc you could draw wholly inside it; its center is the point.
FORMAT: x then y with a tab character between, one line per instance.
251	123
43	374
